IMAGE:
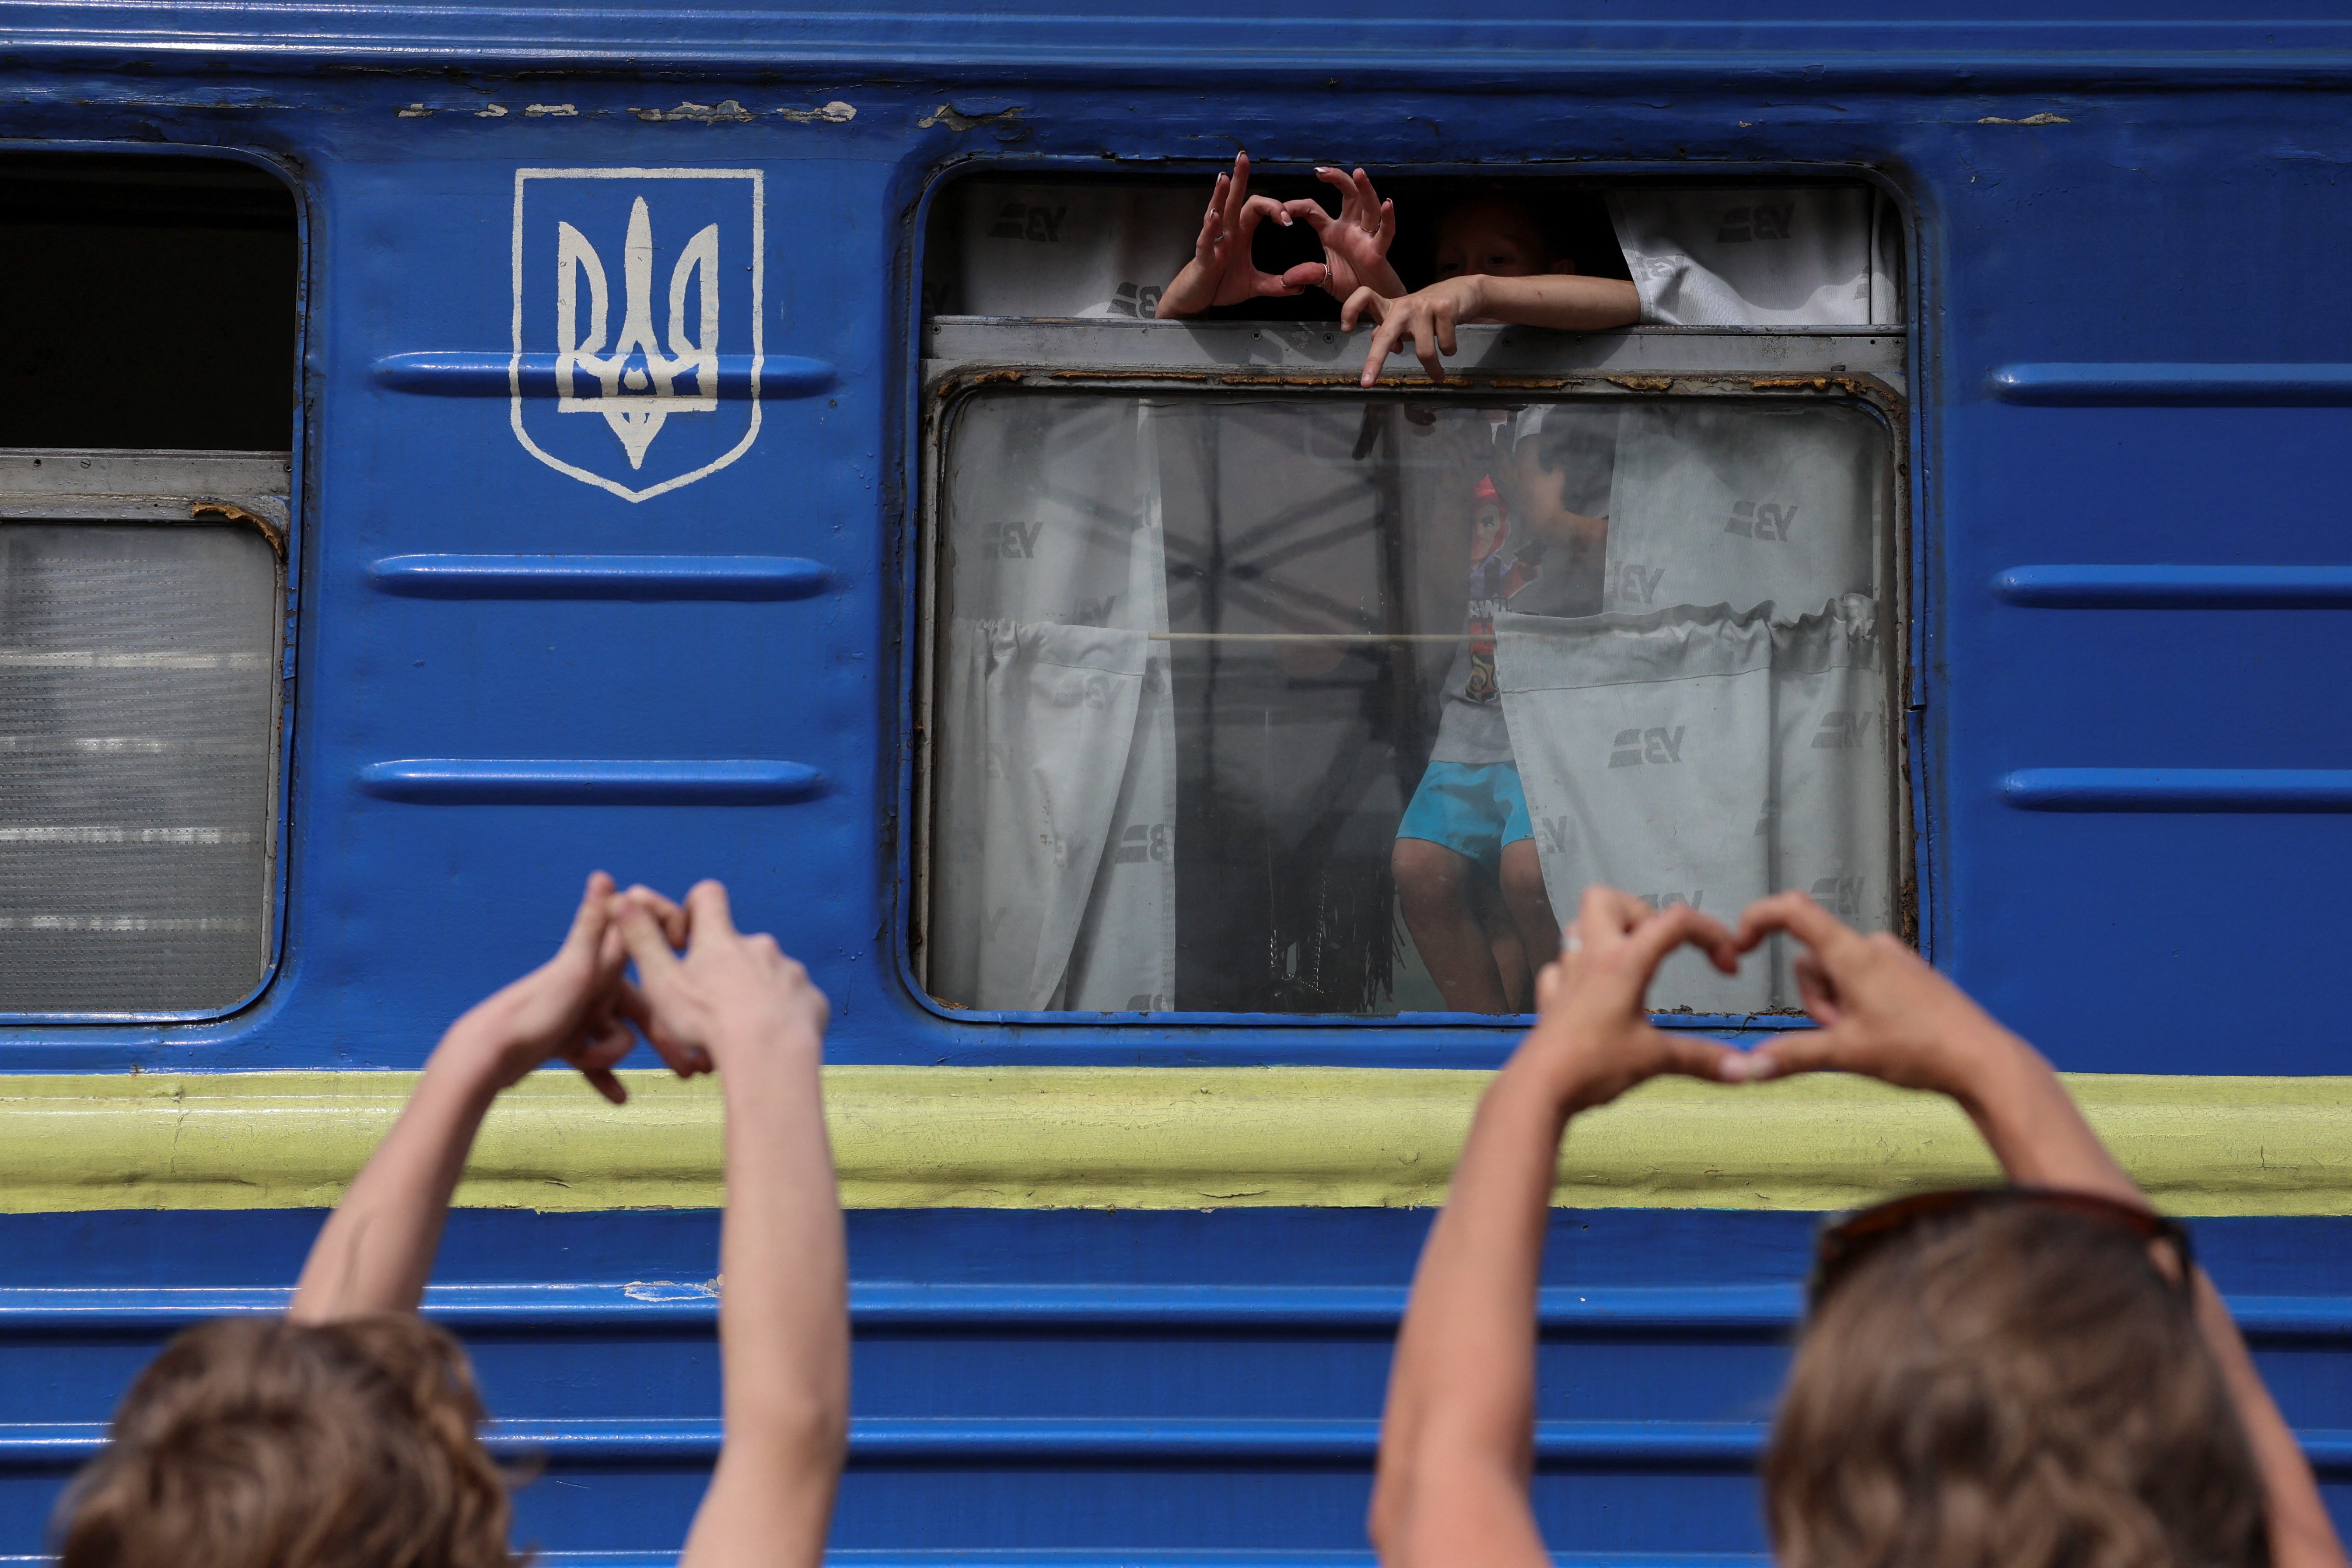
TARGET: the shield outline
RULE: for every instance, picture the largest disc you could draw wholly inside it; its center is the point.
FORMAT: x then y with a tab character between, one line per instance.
759	312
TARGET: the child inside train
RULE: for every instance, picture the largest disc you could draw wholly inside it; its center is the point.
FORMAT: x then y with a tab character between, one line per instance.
1469	873
1469	881
344	1432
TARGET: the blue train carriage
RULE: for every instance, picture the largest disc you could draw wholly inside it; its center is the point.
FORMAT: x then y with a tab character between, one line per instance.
449	449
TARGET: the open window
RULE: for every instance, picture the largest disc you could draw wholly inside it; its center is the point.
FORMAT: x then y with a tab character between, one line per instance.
1251	691
145	504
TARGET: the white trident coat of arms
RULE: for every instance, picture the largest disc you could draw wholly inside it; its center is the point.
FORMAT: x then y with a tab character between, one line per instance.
637	322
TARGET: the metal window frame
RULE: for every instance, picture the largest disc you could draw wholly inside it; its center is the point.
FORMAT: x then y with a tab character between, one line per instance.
192	488
1864	367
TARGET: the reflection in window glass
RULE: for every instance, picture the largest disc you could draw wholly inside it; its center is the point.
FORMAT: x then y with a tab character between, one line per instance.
138	703
1336	704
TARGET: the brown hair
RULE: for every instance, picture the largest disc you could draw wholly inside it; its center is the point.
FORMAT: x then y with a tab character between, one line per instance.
259	1443
2021	1387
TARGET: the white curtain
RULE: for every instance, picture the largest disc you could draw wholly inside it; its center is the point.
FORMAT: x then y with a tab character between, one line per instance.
1061	249
1742	503
1708	756
1719	731
1054	853
1809	256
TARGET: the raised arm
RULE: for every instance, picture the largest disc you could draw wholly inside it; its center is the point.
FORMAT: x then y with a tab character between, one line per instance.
1884	1013
1565	302
377	1250
783	1325
1457	1439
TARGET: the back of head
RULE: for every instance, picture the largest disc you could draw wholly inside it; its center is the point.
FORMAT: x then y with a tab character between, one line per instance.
2019	1388
257	1443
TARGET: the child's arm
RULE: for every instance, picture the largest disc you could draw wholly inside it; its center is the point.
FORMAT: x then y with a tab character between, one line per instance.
377	1250
1887	1014
1565	302
1220	271
1456	1441
784	1326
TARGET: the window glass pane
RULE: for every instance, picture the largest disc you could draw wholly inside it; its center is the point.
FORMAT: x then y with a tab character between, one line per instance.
138	704
1333	704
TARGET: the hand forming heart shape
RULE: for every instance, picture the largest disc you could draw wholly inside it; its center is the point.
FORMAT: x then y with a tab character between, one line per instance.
725	995
1883	1011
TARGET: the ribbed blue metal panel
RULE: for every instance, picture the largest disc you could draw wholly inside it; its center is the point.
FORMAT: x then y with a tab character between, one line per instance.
644	579
1177	1388
565	781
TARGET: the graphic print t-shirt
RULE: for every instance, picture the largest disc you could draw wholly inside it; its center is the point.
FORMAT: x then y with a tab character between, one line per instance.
1470	729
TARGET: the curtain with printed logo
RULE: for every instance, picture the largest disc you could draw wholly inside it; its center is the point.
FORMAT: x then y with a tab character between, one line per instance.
1050	251
1720	730
1815	255
1053	859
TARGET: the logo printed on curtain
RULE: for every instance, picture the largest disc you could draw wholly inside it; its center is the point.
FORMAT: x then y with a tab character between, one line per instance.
1017	220
1841	730
1082	691
1656	746
1842	895
642	290
1761	519
1764	220
1136	299
1010	541
1142	842
1636	582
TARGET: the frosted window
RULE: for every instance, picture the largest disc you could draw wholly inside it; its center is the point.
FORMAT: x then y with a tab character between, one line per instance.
137	708
1202	659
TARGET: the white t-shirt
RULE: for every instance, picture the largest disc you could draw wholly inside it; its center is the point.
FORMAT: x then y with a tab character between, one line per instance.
1817	255
1065	250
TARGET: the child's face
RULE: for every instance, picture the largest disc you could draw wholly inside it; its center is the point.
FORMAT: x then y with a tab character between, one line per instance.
1485	530
1495	238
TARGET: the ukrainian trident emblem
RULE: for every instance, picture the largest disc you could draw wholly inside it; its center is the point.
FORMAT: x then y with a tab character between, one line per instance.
608	386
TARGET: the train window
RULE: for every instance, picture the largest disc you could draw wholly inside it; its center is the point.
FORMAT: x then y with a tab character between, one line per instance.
144	514
1249	692
139	662
166	291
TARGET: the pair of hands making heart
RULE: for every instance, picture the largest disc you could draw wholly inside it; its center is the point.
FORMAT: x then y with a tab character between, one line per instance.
1355	244
728	999
1883	1011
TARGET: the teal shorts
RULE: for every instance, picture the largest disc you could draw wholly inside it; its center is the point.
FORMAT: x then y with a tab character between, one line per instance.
1470	811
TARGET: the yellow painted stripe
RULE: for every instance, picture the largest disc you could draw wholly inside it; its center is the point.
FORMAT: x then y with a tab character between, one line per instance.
1143	1138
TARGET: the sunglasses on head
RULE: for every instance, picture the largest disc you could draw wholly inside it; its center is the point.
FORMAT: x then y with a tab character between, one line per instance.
1843	1245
